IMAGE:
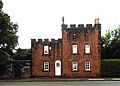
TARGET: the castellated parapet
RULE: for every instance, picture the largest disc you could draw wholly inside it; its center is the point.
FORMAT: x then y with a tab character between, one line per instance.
74	27
45	41
81	26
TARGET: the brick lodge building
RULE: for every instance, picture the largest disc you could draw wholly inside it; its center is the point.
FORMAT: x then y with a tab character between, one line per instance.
77	54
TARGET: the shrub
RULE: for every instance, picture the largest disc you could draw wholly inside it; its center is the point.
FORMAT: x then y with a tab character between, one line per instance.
110	68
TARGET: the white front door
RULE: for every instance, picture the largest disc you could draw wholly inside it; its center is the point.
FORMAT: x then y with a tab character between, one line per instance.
58	68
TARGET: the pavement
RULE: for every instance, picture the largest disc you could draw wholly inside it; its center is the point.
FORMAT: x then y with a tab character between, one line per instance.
58	79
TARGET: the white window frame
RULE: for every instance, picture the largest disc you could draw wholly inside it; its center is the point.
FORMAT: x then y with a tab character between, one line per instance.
87	48
74	48
87	65
46	49
74	65
46	66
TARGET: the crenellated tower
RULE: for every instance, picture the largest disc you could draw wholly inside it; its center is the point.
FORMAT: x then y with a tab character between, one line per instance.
81	44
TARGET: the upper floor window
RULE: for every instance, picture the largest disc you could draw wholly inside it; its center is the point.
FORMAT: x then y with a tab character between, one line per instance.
74	49
74	65
46	66
46	49
87	48
87	65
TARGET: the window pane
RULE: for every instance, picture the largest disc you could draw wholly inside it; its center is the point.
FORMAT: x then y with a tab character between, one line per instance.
87	48
57	64
74	48
46	49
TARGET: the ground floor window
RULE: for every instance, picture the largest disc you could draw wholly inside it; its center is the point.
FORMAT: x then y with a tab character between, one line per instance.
46	66
74	65
87	65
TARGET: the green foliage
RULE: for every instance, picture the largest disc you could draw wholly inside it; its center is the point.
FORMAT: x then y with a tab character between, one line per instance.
8	37
1	5
110	44
22	54
4	57
110	68
8	30
106	39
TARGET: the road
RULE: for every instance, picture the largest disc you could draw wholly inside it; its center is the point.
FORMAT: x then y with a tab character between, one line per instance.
72	83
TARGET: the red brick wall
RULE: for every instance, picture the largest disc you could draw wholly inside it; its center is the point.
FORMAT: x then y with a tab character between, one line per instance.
68	57
62	50
38	58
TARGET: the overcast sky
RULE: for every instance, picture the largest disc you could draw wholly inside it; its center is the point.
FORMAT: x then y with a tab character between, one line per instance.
39	19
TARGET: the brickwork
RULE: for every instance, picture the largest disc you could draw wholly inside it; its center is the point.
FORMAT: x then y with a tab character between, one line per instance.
61	49
38	56
84	35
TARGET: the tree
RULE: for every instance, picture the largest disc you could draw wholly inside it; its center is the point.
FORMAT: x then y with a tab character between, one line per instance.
8	37
22	54
115	43
110	44
105	44
1	5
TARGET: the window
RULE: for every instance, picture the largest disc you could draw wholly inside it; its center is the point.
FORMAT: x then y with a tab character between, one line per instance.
74	49
86	34
74	65
87	65
46	66
46	49
57	64
87	48
75	35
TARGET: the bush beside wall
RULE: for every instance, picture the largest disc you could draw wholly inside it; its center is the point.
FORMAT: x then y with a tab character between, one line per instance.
110	68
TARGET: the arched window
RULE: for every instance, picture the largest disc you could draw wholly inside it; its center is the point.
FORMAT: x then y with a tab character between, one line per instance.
74	48
74	65
46	49
87	48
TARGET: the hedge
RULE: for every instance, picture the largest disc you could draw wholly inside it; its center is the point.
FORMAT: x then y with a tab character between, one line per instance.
110	68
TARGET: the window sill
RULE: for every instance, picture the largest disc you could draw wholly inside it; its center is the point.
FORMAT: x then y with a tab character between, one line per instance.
87	53
45	54
75	70
75	53
46	70
87	70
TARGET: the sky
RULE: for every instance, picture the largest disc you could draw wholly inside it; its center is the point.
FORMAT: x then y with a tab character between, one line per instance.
41	19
